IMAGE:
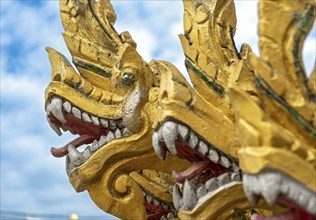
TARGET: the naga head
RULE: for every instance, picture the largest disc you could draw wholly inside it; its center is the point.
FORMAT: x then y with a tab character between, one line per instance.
196	123
108	100
278	130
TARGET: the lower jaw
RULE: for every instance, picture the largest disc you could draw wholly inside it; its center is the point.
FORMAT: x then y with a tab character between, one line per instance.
227	203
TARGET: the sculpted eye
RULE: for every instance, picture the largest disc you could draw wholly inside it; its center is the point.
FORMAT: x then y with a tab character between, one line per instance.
128	78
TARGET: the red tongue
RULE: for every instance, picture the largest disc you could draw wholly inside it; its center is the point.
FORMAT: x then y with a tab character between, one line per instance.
191	172
83	139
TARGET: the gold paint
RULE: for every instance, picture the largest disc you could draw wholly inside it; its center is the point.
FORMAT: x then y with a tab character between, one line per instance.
159	184
233	120
278	130
268	145
227	202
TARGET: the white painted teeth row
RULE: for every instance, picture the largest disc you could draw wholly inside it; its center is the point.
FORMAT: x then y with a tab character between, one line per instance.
165	206
171	131
59	107
191	196
76	158
270	184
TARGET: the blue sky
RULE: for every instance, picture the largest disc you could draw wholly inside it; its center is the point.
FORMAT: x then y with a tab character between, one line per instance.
31	179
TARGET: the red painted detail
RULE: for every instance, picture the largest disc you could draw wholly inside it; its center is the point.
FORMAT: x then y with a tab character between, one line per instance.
88	132
154	212
191	172
294	212
200	164
63	151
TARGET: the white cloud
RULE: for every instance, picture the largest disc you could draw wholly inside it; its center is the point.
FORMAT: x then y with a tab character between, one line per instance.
31	179
309	51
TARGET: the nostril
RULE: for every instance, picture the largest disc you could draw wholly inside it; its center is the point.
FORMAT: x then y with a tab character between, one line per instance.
164	95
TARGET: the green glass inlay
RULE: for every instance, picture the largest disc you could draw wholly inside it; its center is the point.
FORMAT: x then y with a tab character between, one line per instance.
231	31
213	85
241	215
305	125
303	24
100	24
253	212
92	67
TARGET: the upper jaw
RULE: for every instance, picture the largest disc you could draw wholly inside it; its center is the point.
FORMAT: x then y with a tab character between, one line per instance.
193	189
91	129
277	187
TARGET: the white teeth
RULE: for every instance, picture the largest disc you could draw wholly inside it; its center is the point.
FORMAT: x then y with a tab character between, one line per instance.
95	145
213	155
235	167
165	139
75	157
144	194
119	124
169	132
311	207
163	218
251	188
183	132
86	117
211	184
67	107
156	202
223	179
303	199
270	184
224	161
112	124
193	140
86	153
104	122
69	166
103	140
202	148
235	177
124	132
202	191
48	109
160	151
170	215
56	109
149	198
118	133
95	120
177	197
76	112
53	126
110	136
189	196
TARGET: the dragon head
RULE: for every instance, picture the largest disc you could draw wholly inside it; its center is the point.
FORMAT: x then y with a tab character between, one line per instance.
278	131
109	102
197	123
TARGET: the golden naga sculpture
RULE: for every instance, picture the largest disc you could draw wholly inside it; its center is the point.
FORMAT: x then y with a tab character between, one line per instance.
278	131
159	148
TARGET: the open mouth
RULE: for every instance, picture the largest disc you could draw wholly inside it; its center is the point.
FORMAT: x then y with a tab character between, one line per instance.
94	132
157	209
211	170
277	187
